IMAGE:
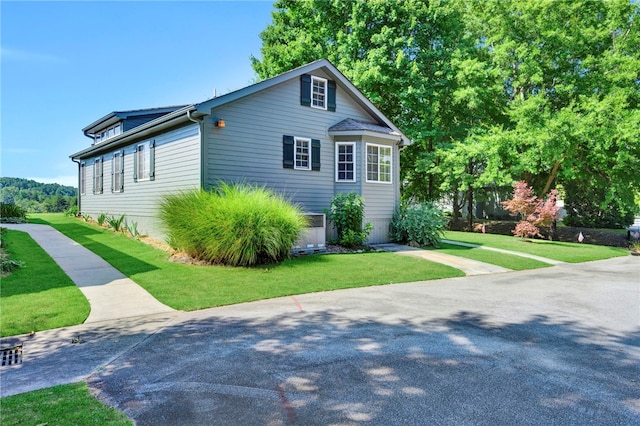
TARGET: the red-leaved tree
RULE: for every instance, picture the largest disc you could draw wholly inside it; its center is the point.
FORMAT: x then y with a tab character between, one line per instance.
533	212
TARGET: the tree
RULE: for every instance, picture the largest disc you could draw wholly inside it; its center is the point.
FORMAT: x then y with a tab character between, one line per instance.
533	212
572	89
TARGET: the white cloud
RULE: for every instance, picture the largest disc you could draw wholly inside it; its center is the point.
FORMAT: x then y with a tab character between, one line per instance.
26	56
60	180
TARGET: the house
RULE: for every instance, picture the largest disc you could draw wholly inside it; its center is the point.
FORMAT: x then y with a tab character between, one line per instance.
308	133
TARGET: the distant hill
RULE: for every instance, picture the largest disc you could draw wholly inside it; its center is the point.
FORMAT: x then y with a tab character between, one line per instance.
37	197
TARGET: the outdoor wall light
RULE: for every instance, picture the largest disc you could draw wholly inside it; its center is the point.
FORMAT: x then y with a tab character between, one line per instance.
220	123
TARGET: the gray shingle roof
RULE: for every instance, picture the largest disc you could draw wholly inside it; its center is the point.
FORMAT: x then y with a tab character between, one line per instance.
351	124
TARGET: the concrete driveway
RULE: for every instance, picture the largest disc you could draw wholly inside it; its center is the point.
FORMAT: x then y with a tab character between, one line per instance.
554	346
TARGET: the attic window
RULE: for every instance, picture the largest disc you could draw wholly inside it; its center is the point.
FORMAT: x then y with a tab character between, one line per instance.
317	92
108	133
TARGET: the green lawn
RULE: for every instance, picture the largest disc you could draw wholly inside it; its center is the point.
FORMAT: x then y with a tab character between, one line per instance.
509	261
39	295
565	252
190	287
59	405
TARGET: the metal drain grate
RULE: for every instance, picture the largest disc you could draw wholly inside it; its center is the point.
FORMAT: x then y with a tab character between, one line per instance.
12	355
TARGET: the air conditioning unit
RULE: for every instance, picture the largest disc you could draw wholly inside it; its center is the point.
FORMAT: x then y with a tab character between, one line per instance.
313	238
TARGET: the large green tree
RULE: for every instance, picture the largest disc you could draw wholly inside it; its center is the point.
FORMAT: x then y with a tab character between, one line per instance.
571	76
490	91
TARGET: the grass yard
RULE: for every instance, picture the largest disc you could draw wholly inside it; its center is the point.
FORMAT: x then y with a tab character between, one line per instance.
190	287
59	405
509	261
39	295
562	251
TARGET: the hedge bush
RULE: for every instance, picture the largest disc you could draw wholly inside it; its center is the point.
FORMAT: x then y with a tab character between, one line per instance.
419	225
347	215
10	213
236	224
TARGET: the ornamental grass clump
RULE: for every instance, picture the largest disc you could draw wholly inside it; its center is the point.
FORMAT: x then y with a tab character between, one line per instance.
236	224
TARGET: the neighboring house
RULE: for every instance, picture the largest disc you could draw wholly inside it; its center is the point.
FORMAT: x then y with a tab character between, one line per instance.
307	133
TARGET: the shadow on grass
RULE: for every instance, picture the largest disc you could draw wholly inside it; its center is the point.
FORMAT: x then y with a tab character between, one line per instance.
82	234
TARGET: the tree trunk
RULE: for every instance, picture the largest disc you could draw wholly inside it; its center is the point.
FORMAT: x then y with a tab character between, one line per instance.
552	177
470	209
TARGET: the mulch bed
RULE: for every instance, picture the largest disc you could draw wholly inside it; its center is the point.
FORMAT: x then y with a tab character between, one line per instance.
564	233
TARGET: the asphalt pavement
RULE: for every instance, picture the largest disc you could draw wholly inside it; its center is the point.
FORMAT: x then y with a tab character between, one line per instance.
558	345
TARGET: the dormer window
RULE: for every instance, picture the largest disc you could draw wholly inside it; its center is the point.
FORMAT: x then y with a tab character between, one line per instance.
108	133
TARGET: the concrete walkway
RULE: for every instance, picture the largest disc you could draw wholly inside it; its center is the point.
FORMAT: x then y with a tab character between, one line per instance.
110	293
468	266
515	253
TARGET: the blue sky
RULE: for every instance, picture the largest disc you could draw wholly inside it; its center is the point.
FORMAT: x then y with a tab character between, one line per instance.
66	64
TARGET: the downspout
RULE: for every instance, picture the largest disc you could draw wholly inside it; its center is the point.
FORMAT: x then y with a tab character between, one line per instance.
200	123
79	189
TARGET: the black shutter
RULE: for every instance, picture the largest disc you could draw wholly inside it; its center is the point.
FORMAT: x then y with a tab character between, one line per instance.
331	95
152	160
113	167
305	90
288	152
101	175
315	154
136	153
121	188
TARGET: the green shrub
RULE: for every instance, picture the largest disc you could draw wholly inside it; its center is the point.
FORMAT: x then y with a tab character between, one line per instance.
102	218
72	211
10	213
133	229
347	214
115	222
237	225
420	225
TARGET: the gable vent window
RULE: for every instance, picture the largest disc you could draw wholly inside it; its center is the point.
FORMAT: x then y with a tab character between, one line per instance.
300	153
317	92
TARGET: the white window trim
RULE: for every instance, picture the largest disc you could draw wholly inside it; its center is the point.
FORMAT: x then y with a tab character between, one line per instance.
117	130
147	160
326	92
355	162
297	139
366	171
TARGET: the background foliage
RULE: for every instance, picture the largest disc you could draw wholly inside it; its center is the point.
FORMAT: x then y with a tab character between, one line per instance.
36	197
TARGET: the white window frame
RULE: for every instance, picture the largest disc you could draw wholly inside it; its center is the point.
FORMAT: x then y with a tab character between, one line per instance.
144	160
353	161
378	163
315	103
298	156
108	133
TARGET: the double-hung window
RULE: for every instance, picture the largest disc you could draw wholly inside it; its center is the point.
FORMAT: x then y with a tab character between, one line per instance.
144	162
117	172
300	153
97	176
378	163
303	154
345	162
318	92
